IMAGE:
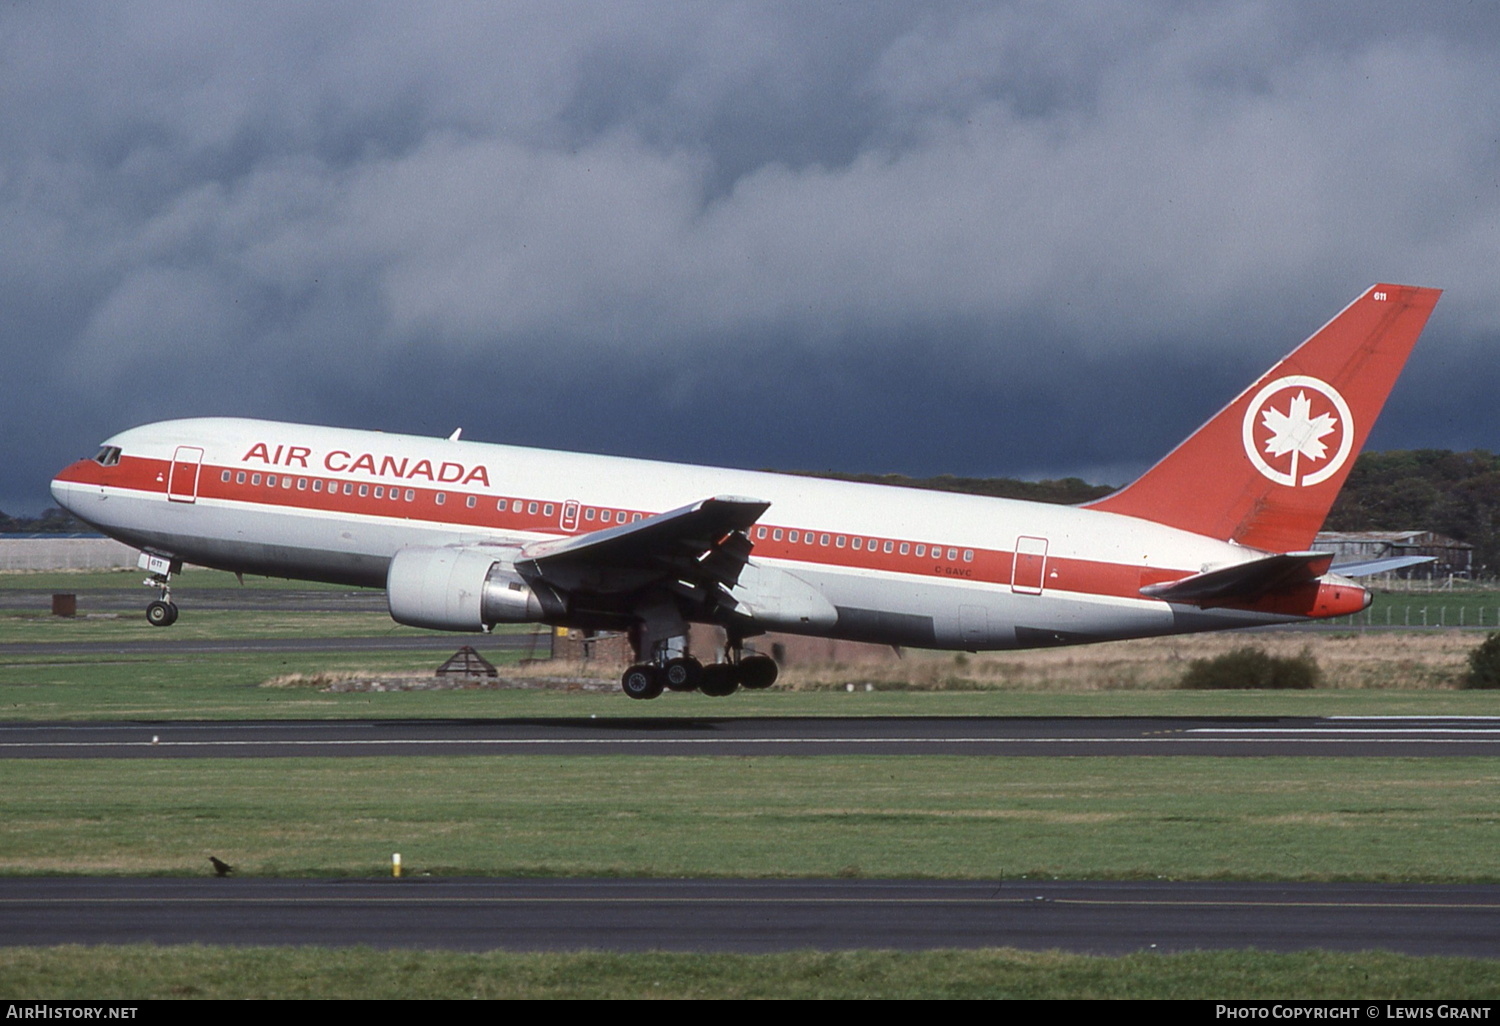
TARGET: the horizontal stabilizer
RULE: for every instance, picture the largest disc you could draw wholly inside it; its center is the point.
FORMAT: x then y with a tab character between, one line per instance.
1244	582
1366	567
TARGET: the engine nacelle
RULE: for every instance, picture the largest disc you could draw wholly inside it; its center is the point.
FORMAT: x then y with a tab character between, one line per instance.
459	589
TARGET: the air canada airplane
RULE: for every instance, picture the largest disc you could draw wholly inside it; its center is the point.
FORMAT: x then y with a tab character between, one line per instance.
464	535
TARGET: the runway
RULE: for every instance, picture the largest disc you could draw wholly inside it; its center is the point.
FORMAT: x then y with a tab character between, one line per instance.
1449	736
1106	918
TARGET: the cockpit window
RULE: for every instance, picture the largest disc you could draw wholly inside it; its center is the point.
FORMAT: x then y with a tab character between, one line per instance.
107	456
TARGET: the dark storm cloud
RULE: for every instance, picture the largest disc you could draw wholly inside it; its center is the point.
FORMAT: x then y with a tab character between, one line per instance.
968	237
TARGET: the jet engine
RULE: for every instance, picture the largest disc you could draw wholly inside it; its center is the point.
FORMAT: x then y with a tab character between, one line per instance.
464	589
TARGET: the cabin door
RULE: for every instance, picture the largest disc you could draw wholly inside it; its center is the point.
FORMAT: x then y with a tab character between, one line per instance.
182	479
1030	566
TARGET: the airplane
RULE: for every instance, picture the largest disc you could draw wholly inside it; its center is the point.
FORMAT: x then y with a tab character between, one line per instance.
464	535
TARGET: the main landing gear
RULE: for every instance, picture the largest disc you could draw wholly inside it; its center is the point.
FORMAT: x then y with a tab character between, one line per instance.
162	612
684	673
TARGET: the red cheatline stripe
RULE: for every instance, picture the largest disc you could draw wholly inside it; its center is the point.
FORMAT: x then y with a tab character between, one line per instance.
992	566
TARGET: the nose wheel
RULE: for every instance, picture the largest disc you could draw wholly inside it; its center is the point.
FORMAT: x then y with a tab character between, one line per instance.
161	614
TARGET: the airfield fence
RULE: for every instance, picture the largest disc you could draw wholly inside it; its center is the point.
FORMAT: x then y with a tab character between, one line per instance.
63	552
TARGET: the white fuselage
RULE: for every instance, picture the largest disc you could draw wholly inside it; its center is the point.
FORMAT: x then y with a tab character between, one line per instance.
875	563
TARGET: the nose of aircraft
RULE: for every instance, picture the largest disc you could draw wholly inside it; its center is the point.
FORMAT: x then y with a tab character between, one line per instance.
65	486
60	494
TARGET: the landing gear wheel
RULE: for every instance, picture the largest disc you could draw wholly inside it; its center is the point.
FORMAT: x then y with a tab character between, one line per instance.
161	614
719	680
682	674
757	671
642	681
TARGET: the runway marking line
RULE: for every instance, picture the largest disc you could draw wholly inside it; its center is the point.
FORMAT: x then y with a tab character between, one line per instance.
668	900
1491	738
1487	732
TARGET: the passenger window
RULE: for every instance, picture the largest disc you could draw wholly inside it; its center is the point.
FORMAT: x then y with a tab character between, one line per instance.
255	479
364	490
301	484
348	488
760	533
588	514
791	536
891	545
224	477
839	541
531	508
776	534
638	516
286	482
824	540
271	481
968	555
317	484
441	498
500	505
605	516
410	495
905	549
239	478
921	550
858	543
952	554
547	510
379	492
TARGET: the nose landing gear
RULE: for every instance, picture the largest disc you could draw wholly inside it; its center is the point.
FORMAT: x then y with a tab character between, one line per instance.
163	611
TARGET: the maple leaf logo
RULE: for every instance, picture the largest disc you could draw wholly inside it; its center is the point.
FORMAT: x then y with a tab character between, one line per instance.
1297	431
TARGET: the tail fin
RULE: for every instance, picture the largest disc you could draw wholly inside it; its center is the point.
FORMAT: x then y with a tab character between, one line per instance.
1265	471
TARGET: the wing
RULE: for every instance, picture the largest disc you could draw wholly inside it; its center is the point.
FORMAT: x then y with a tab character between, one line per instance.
697	550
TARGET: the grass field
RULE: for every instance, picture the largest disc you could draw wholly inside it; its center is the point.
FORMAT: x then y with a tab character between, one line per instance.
882	816
229	686
144	972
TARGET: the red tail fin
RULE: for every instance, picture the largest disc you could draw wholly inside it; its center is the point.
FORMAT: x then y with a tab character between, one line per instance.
1264	472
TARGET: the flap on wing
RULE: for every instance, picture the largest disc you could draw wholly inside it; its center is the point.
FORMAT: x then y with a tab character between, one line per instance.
1244	582
1385	565
700	542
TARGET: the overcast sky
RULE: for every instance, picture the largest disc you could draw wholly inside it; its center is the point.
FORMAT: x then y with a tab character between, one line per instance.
1025	239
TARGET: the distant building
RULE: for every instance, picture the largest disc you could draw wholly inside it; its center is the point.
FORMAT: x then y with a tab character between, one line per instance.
1453	558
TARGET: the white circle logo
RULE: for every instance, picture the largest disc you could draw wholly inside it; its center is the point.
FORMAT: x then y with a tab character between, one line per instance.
1290	427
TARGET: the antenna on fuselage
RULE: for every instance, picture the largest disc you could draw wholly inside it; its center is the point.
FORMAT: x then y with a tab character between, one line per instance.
456	432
